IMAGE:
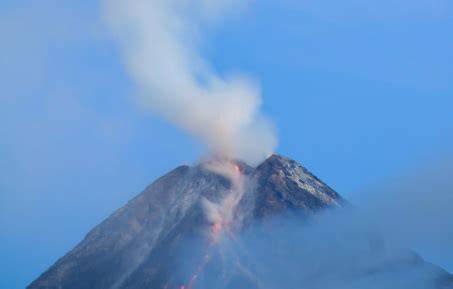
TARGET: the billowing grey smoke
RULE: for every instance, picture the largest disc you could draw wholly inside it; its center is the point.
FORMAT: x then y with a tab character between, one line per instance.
160	40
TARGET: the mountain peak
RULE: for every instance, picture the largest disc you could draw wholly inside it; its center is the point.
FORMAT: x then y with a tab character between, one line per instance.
173	208
140	245
278	158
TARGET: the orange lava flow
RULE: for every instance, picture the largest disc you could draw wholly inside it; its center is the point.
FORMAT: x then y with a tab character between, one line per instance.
216	230
200	269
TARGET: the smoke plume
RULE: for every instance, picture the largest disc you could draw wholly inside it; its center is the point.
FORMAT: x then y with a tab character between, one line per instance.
160	40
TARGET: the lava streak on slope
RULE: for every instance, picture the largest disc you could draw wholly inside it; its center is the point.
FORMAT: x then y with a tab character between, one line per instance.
221	215
217	228
216	231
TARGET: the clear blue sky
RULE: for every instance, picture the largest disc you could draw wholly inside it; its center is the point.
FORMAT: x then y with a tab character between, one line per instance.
358	91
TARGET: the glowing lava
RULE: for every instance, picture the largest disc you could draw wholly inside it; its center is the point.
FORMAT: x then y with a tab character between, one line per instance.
223	213
217	228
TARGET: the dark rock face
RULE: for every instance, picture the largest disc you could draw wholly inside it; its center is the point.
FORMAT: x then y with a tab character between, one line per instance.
285	184
142	244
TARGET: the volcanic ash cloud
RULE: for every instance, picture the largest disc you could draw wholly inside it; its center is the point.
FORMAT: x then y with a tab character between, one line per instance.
160	41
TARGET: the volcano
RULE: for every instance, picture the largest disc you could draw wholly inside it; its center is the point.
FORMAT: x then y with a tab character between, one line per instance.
183	231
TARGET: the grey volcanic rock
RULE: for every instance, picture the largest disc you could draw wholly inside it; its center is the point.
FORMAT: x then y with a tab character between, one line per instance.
285	184
142	244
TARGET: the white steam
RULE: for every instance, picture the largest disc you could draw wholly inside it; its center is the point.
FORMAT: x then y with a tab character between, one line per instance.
160	41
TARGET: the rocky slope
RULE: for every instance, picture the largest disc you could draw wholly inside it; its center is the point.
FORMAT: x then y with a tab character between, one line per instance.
165	237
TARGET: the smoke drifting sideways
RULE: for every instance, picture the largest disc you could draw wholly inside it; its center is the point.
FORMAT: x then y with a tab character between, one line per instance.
371	246
336	250
415	210
160	41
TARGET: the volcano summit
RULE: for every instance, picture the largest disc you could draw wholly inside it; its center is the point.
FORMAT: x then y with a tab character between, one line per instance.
196	228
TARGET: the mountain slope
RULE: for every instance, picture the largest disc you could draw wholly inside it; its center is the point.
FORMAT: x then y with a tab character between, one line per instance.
165	237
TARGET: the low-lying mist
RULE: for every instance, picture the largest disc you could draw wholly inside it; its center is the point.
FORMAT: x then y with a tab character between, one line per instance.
415	210
370	245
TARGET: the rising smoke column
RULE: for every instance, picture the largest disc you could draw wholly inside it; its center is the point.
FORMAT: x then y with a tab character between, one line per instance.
160	41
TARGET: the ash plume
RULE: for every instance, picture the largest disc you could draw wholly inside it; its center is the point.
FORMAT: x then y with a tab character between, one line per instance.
160	41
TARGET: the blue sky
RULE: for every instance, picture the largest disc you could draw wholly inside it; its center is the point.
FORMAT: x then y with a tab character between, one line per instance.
359	92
